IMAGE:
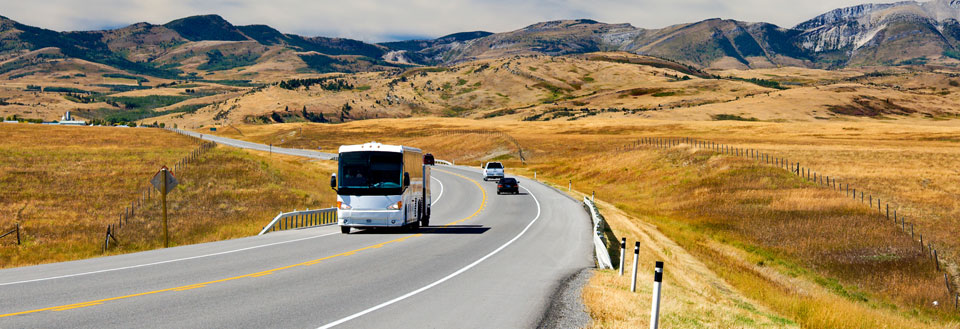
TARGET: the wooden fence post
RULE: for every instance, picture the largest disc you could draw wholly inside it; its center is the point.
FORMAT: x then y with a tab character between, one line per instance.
946	281
936	259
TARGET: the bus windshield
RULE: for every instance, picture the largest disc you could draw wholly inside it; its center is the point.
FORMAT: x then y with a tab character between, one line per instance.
370	173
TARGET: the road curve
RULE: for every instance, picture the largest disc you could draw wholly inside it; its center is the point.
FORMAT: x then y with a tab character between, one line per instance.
259	147
494	263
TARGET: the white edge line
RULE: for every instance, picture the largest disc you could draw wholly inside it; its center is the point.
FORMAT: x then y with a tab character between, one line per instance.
434	202
444	279
164	262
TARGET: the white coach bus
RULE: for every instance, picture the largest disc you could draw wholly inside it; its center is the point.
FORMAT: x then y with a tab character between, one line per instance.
381	186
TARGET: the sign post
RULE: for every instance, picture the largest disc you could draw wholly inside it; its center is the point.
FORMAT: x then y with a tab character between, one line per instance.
165	182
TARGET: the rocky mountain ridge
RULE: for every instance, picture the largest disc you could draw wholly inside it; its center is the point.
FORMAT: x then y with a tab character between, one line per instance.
901	33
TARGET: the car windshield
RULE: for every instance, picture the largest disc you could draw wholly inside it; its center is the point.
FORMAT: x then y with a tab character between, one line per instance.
508	181
494	165
370	173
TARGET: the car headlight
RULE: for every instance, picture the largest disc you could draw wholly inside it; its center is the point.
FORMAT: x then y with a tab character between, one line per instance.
396	206
343	206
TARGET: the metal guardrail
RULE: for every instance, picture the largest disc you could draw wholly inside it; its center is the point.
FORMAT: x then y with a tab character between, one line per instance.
599	240
443	162
300	219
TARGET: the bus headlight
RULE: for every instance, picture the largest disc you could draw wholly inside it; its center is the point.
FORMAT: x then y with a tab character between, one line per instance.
396	206
343	206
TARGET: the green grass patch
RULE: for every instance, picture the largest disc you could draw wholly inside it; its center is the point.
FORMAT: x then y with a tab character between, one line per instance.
761	82
217	61
732	117
144	102
66	90
455	111
125	76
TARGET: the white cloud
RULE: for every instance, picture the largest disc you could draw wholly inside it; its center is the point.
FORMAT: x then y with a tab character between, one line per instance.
379	20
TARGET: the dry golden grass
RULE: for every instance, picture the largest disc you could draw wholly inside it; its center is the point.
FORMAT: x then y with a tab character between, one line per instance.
752	245
458	147
805	253
728	200
693	295
66	184
514	88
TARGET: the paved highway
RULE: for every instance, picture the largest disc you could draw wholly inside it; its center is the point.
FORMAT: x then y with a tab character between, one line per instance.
495	263
259	147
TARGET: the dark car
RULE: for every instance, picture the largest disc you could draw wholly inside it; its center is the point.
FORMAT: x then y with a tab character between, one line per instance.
428	159
508	185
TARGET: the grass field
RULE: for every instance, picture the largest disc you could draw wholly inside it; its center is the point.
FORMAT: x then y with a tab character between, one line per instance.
746	245
807	254
64	185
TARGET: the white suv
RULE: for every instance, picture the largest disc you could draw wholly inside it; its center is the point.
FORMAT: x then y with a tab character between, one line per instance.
493	170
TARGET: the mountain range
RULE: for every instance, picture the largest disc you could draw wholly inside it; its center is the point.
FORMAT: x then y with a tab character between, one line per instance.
902	33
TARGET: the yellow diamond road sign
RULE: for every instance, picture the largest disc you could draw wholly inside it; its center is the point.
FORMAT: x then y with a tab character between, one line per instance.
158	182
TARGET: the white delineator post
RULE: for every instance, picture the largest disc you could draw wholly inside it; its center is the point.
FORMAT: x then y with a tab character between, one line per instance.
623	253
655	306
636	259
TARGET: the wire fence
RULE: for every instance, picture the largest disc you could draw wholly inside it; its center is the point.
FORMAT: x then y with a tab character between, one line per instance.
14	230
883	208
148	192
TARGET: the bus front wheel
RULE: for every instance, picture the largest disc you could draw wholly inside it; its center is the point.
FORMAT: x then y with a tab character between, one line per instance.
345	229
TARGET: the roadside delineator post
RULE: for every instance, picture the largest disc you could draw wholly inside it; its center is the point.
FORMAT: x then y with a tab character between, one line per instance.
636	259
623	253
655	306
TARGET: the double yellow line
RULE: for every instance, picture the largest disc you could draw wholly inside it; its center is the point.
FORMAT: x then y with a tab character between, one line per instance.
483	203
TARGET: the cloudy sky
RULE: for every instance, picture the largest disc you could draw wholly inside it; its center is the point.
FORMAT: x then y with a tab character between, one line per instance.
387	20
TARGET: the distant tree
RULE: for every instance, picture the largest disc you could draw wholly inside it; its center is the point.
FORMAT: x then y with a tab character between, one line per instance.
345	112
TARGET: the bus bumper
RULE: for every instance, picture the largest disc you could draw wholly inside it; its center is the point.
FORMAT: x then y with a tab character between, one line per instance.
370	218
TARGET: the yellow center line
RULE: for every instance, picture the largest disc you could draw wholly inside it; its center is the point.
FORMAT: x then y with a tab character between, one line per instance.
483	203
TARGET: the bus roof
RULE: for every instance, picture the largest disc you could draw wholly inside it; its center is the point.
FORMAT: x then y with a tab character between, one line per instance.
377	147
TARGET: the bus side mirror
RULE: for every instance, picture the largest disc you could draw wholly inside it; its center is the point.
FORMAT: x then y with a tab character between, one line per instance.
333	181
406	179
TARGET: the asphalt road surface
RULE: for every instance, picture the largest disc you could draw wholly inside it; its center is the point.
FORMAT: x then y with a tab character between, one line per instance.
259	147
495	262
